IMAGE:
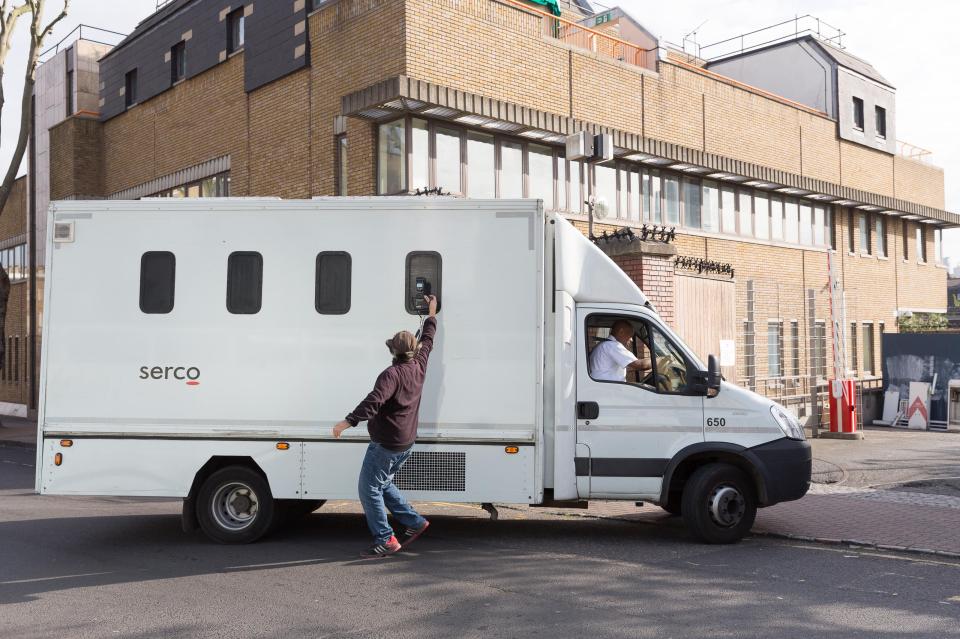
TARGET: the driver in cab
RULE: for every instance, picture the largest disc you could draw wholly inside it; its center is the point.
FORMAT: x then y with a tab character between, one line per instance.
611	359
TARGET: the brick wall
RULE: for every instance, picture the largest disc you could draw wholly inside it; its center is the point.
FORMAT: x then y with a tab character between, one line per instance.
13	223
76	159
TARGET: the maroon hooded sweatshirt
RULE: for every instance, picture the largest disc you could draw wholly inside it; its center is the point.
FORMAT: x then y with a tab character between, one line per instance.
391	409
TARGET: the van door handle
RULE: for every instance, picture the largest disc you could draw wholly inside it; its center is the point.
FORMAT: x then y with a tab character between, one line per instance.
588	410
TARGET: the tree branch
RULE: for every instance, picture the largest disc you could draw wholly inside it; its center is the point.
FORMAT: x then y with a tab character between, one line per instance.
63	14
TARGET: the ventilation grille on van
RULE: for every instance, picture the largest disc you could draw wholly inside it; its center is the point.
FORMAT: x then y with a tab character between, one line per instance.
433	471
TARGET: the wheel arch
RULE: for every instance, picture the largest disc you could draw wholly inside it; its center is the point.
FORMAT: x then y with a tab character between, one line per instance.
685	462
216	462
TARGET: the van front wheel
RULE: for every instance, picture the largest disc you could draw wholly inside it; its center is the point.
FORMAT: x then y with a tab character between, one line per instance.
234	506
719	504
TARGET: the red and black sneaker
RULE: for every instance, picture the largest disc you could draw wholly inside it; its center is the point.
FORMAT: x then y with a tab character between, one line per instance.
410	535
378	551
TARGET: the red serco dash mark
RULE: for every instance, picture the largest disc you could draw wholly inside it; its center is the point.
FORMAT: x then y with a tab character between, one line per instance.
193	383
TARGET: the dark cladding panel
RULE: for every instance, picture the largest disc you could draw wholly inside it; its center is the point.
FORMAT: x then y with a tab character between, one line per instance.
272	42
197	22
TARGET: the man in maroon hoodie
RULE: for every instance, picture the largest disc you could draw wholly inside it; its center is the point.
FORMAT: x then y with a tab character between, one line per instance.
390	411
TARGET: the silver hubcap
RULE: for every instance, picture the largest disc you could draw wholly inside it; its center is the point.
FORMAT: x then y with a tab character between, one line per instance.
235	506
727	506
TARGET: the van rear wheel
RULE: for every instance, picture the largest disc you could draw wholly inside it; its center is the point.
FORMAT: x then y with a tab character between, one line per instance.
234	506
719	504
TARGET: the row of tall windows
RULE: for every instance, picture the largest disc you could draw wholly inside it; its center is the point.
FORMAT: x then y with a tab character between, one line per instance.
418	154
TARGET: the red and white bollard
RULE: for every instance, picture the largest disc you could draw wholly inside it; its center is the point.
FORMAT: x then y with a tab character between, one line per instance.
843	409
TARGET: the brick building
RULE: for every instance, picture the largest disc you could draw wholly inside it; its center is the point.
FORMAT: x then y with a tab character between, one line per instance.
296	98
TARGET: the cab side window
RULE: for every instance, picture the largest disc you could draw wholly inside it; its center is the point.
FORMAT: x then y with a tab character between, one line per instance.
631	351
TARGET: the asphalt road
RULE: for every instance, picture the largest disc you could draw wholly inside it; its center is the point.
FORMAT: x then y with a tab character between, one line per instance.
111	567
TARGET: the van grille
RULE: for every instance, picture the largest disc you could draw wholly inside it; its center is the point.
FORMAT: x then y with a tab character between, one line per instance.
433	471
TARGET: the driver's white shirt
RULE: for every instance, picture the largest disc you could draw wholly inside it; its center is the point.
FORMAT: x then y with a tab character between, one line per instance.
609	361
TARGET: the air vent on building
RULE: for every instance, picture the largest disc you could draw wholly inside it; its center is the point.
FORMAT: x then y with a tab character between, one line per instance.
63	232
433	471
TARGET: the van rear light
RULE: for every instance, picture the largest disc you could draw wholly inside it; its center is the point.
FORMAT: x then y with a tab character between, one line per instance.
66	443
58	459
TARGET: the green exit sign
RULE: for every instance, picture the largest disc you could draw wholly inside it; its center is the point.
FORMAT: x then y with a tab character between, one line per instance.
607	17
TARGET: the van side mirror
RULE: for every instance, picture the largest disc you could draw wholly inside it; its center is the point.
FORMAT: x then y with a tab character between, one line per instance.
713	376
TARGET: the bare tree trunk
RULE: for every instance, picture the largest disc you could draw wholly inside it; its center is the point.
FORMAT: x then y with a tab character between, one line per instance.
38	34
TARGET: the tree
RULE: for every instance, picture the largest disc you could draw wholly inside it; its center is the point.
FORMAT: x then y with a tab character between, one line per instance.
9	16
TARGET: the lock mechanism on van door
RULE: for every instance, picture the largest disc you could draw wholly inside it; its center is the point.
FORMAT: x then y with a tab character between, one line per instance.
421	289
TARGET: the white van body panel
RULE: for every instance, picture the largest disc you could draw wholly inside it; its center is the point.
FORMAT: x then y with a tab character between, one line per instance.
287	372
745	417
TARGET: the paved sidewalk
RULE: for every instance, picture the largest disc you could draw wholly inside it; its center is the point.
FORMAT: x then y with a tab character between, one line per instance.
18	431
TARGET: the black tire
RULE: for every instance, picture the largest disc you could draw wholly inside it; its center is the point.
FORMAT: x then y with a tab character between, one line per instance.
719	504
234	506
672	506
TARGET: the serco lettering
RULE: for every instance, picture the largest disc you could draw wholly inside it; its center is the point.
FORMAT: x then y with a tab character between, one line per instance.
191	373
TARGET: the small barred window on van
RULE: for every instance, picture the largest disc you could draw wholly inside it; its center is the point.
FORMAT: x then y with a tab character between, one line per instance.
333	283
157	280
244	282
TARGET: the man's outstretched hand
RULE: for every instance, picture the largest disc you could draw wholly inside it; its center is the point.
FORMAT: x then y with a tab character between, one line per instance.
339	428
431	304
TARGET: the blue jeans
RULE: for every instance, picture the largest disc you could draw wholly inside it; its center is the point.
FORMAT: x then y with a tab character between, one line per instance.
378	494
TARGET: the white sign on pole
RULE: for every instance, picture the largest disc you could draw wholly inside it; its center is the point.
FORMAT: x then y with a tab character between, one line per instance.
728	352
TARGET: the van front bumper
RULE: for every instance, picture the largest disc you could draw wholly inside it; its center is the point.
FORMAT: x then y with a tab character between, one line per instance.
785	466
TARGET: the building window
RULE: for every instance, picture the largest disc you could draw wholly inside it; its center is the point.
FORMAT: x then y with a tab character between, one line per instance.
692	205
921	244
775	349
235	30
481	165
178	62
511	170
745	210
671	199
864	234
791	221
576	186
868	349
419	155
16	358
881	116
605	188
938	246
332	295
69	84
711	207
448	160
905	230
820	349
806	224
158	273
341	175
858	114
540	171
880	225
244	282
652	197
761	216
633	176
831	228
819	226
14	262
853	349
776	219
130	88
391	154
795	348
215	186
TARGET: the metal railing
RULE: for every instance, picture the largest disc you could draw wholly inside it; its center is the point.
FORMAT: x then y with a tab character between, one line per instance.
781	32
914	152
582	37
83	32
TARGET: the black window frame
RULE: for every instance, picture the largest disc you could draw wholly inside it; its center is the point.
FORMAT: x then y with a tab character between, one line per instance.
178	62
436	287
233	308
691	369
130	80
880	116
316	285
858	115
158	310
236	30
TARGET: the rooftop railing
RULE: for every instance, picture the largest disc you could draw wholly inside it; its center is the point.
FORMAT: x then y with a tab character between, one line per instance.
83	32
798	27
577	35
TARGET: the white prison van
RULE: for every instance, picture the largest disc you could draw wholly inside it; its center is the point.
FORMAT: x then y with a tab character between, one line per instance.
203	349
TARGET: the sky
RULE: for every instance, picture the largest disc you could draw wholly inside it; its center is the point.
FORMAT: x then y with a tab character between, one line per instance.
912	44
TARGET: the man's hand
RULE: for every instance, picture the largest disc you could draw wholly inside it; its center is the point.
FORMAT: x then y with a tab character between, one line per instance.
431	304
340	427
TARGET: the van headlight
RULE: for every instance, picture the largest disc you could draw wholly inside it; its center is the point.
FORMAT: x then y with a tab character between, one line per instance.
787	422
